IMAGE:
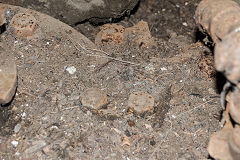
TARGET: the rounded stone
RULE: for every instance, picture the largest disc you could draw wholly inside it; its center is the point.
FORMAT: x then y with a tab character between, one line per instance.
24	24
141	102
94	98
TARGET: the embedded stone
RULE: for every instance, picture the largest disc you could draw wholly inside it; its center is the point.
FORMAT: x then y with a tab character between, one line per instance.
94	98
141	102
24	24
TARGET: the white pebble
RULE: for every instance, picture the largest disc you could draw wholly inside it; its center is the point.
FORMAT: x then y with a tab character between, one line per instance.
163	69
14	143
71	70
23	115
185	24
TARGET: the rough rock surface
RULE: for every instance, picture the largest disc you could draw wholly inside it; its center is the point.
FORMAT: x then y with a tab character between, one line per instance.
8	77
94	97
74	11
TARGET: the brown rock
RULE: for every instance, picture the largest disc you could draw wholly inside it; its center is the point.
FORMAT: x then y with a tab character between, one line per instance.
24	24
8	77
113	34
218	146
2	16
140	35
94	98
141	102
110	33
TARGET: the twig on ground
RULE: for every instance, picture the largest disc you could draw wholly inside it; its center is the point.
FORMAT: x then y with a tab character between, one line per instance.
189	111
70	108
89	50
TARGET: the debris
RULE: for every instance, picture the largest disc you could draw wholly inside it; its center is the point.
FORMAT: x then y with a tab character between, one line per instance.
24	24
94	97
206	65
141	102
8	77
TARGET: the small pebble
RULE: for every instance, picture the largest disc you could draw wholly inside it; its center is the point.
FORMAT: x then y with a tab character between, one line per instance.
71	70
17	128
163	69
23	115
14	143
185	24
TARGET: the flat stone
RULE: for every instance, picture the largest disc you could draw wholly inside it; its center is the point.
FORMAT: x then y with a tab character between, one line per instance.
17	128
36	146
94	98
8	77
141	102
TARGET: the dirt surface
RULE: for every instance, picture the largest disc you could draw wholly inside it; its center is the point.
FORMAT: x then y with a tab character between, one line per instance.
46	119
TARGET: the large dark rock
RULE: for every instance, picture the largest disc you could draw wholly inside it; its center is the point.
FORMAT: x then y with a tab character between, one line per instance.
75	11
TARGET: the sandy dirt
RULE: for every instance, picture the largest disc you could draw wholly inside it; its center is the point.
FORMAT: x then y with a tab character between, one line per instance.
47	120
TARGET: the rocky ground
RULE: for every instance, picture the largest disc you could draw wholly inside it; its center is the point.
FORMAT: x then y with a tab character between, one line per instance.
146	89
